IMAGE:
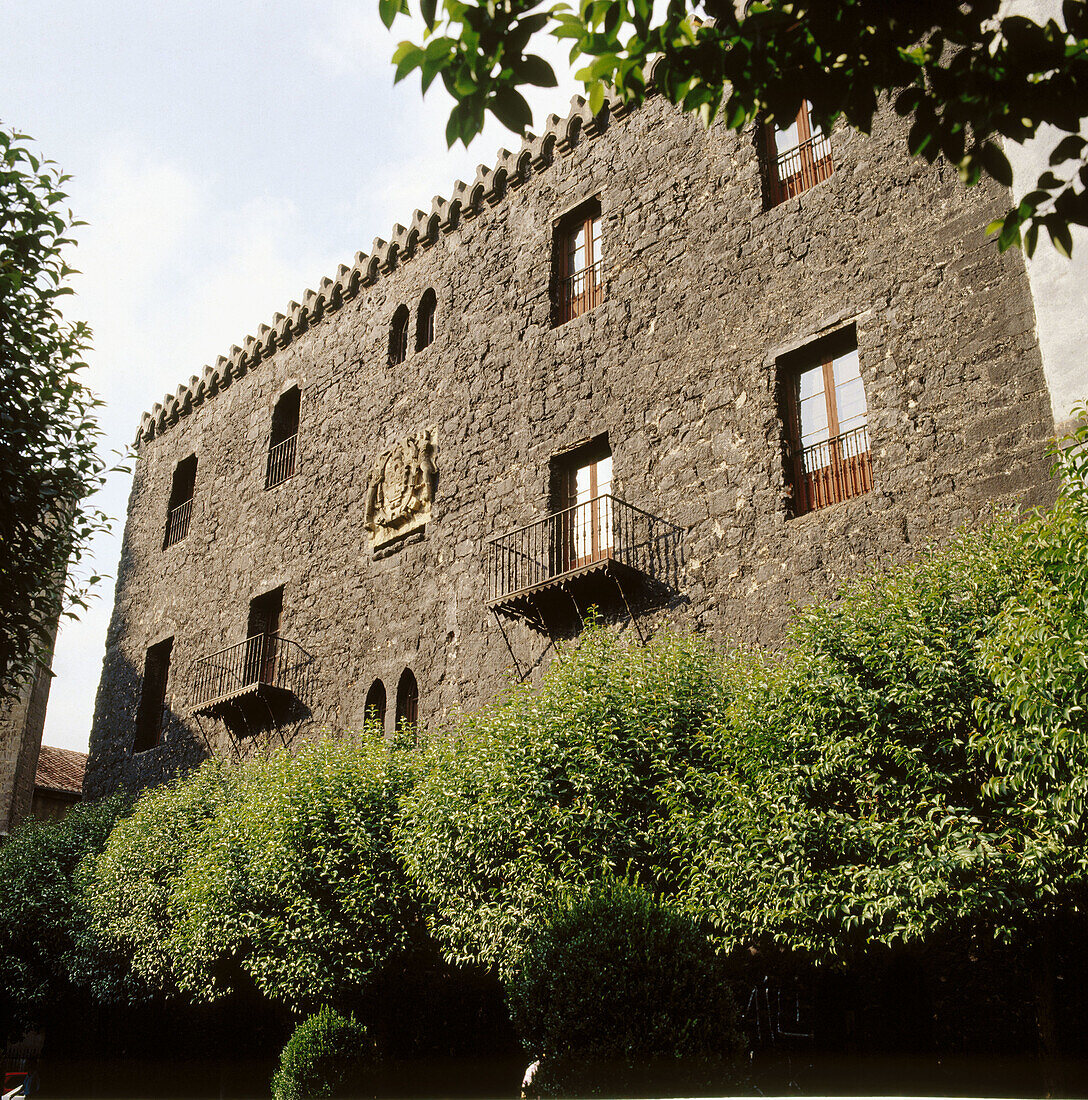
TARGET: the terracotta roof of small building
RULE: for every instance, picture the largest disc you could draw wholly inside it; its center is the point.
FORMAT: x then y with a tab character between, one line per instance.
60	769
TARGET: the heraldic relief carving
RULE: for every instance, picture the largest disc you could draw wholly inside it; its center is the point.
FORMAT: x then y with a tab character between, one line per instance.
400	489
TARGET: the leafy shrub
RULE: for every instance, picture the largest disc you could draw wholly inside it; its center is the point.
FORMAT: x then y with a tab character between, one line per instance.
930	731
326	1056
600	772
616	993
279	871
45	953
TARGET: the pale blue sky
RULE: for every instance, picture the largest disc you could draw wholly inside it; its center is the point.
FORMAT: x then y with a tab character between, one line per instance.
227	156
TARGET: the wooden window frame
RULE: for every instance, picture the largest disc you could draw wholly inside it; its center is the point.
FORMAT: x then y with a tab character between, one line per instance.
569	525
809	162
578	291
847	471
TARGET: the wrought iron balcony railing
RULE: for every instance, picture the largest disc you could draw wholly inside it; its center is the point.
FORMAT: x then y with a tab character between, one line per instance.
799	168
598	534
177	523
281	462
265	664
580	292
836	469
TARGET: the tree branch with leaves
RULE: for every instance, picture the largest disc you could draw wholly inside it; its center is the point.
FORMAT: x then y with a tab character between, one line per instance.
969	76
48	428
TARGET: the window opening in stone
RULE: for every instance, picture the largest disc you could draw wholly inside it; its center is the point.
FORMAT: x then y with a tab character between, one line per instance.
153	715
398	336
579	262
582	505
828	457
263	638
428	305
179	514
407	700
283	440
374	710
796	157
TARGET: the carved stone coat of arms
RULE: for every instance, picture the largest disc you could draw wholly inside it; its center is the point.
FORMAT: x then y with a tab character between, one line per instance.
400	489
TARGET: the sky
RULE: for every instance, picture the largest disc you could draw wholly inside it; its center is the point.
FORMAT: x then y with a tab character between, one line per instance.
226	156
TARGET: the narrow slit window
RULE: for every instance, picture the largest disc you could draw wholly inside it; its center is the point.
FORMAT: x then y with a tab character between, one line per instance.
283	439
179	513
398	336
152	714
428	306
374	710
407	700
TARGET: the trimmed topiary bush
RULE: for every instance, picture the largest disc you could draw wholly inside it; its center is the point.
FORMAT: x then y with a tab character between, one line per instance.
619	995
327	1055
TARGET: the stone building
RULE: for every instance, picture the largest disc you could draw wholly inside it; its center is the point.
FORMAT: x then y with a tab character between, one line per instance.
22	720
677	374
58	783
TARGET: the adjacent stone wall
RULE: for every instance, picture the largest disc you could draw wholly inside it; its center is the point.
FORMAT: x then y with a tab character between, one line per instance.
22	720
705	290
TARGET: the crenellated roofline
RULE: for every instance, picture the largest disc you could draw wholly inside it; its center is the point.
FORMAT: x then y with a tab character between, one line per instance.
489	188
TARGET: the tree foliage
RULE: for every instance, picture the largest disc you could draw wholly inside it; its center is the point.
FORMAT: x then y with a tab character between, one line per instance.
929	771
45	951
968	75
325	1056
618	994
600	772
48	430
279	871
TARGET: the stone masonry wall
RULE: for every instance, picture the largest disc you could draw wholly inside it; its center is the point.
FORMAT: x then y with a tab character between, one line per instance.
678	366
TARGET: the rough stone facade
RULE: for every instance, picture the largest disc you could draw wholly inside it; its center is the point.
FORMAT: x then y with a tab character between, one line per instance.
679	366
22	720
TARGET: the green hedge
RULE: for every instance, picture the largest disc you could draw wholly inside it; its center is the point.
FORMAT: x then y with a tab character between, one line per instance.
617	994
328	1055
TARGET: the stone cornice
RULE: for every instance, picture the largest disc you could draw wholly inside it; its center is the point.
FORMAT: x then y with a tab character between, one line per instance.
489	188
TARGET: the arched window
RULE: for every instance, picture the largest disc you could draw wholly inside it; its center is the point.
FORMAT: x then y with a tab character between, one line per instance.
374	711
407	700
425	320
398	336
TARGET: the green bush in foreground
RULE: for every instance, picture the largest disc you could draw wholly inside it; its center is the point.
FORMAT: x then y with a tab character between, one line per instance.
45	952
602	771
278	871
326	1056
617	994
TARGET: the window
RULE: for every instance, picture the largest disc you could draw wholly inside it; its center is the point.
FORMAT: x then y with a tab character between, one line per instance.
407	700
428	304
262	638
179	514
579	262
398	336
826	415
582	505
153	714
795	158
283	440
374	710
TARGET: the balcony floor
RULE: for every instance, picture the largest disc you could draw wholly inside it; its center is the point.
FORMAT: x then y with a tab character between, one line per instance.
242	700
591	585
